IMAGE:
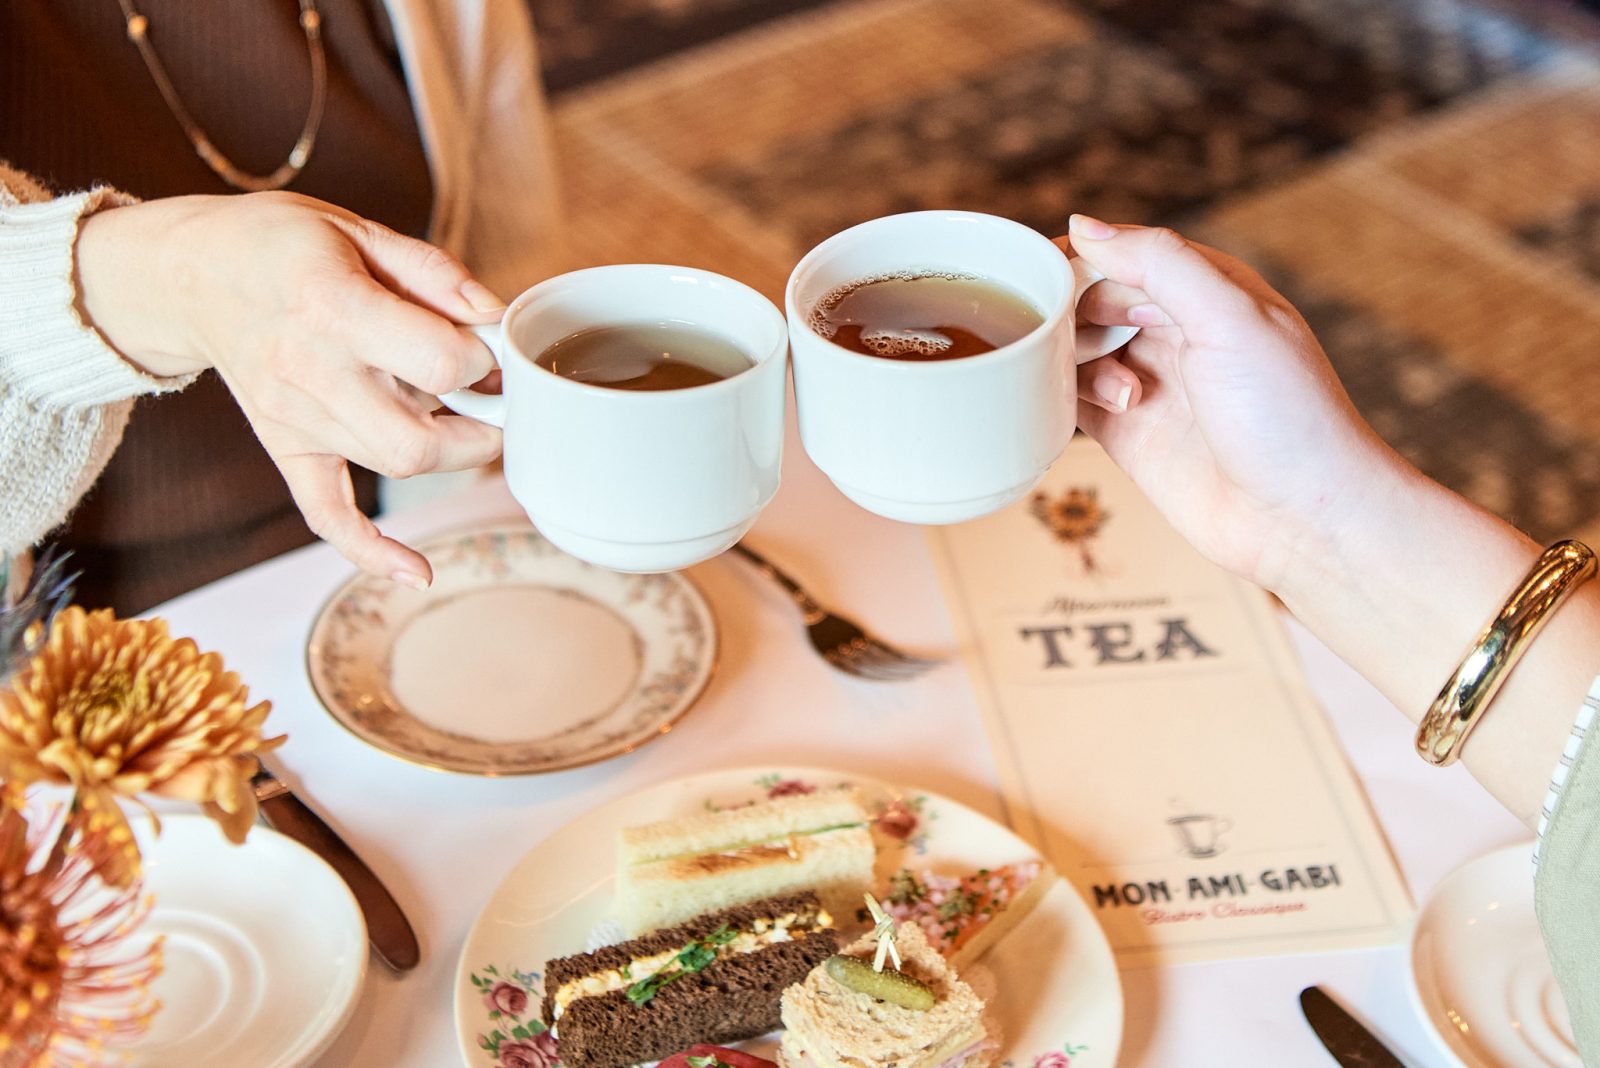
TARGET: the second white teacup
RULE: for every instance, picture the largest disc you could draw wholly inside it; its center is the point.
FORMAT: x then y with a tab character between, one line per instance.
638	481
950	440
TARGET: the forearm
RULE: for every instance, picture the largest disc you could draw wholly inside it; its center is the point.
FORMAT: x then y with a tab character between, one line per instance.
1403	589
126	271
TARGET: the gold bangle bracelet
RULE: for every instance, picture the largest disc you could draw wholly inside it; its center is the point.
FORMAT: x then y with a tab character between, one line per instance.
1560	569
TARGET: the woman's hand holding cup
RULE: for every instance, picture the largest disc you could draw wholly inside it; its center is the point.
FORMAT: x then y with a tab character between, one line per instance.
334	334
1238	430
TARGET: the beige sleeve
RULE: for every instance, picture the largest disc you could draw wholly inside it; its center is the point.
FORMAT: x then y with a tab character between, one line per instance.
473	70
64	392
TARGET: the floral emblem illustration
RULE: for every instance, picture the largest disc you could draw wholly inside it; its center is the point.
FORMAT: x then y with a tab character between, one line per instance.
1073	518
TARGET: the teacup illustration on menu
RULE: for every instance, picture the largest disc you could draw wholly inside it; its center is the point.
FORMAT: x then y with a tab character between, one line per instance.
1200	834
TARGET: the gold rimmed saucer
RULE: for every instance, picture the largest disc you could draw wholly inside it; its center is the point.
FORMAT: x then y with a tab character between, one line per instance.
519	659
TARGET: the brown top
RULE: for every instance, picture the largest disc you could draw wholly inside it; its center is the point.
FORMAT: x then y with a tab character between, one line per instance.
78	106
190	495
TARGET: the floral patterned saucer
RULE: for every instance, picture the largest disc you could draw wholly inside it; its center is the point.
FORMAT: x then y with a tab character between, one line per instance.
519	658
1051	982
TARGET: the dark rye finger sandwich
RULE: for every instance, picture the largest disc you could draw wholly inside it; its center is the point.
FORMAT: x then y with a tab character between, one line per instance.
717	978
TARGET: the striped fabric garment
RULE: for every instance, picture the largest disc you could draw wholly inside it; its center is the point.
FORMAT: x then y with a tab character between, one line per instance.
1569	753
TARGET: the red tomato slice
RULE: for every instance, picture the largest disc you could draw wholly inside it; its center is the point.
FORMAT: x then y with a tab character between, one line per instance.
731	1057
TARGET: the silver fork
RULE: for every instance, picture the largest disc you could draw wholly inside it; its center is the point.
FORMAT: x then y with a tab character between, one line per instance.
838	640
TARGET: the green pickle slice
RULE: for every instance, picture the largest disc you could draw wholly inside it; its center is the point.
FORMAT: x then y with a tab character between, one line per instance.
897	988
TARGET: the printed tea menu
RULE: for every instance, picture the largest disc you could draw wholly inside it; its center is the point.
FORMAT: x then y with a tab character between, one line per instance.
1154	734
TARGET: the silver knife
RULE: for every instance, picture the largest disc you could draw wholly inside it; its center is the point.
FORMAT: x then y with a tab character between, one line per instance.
387	927
1351	1044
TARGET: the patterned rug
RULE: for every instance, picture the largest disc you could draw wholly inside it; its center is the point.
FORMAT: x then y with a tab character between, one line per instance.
1421	177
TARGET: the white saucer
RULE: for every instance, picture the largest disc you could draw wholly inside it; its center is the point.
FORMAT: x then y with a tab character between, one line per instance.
518	659
265	948
1479	973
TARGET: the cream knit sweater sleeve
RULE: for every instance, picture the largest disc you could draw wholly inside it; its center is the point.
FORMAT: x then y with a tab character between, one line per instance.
64	393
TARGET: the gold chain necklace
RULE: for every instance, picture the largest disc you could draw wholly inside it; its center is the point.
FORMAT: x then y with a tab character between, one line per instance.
311	25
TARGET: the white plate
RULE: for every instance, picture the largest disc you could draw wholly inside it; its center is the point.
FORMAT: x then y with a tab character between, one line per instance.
1059	997
264	954
518	659
1479	973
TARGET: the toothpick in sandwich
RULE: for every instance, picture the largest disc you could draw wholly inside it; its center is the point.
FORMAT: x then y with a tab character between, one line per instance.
884	931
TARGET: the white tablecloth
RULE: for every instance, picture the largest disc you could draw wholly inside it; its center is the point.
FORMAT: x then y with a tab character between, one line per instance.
443	843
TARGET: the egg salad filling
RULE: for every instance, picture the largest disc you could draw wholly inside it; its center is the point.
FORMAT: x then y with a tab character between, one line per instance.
643	976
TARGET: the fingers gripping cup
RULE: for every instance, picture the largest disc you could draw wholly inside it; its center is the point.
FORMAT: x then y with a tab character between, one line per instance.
637	462
945	419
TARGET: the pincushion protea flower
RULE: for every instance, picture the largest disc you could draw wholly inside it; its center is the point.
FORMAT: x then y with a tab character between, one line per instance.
30	597
115	708
71	980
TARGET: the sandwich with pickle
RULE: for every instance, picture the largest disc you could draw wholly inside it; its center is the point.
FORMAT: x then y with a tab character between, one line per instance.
849	1014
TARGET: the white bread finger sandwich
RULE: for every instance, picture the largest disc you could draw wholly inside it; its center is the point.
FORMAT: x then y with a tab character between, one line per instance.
671	871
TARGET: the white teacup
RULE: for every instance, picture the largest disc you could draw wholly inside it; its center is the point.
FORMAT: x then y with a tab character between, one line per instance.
637	481
949	440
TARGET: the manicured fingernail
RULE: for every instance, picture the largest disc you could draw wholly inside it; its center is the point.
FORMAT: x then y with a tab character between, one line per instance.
1114	391
479	296
1148	315
1090	227
410	579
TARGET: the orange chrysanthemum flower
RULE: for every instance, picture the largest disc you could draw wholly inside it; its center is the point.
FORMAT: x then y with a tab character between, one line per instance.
117	708
71	982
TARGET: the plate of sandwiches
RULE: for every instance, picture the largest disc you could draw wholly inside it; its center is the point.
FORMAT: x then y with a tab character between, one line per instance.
723	921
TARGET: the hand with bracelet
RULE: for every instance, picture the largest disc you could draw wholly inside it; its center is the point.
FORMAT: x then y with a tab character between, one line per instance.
1227	414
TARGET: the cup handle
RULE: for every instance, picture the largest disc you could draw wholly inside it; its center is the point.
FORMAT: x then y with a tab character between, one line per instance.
484	407
1094	341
